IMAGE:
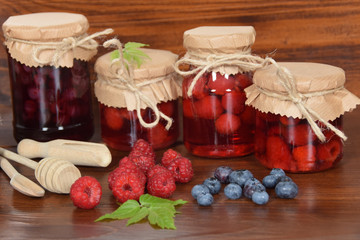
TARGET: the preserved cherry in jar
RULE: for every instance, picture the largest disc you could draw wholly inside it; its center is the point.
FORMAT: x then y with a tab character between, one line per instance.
298	118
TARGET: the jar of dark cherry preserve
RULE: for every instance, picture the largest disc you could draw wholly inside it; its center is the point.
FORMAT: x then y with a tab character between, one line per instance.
51	92
299	109
217	67
138	102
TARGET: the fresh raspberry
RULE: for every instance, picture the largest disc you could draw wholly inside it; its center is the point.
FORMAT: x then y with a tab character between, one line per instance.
208	107
299	135
157	135
167	108
188	108
86	192
161	185
227	123
168	156
142	148
181	169
221	84
234	102
289	121
200	89
157	169
278	153
242	80
330	151
305	157
127	186
113	118
144	163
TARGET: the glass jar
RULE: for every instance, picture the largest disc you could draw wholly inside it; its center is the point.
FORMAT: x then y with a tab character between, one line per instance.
154	80
299	127
50	84
216	122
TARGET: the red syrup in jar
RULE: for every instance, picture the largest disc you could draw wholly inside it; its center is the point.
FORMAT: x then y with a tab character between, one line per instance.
51	103
121	128
290	143
216	122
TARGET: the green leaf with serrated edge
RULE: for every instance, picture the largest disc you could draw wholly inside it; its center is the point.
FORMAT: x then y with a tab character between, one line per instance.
132	53
127	210
147	199
162	216
139	216
114	54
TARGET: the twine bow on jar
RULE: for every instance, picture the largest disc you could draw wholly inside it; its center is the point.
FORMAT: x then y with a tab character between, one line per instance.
123	78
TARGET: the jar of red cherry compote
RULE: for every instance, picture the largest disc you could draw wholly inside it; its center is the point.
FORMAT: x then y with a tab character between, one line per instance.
51	91
216	122
299	115
129	105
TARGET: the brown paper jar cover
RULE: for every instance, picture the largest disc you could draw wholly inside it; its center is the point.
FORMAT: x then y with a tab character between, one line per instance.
159	66
310	78
45	28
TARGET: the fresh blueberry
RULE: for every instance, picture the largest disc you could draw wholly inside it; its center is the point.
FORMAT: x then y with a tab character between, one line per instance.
285	179
286	188
205	200
233	191
222	173
270	181
252	185
260	197
277	172
199	189
213	184
240	176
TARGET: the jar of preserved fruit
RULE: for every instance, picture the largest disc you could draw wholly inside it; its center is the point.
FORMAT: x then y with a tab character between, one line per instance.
51	92
217	67
138	102
299	109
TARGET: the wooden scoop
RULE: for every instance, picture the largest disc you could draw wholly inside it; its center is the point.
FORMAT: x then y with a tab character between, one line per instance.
77	152
53	174
20	182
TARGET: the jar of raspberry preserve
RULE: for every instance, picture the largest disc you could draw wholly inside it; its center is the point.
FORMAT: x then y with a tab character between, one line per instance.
299	115
140	105
51	92
217	68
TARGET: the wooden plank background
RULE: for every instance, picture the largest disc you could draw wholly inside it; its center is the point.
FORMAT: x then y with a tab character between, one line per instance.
318	31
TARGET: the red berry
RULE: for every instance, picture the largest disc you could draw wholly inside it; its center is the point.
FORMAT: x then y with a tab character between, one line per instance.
299	135
86	192
305	157
221	84
200	89
157	169
274	131
242	80
144	162
227	123
168	156
142	148
289	121
128	186
181	169
167	108
278	153
208	107
234	102
188	108
161	185
330	151
157	135
114	118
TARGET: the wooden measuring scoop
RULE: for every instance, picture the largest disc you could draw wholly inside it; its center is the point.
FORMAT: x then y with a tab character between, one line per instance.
20	182
53	174
77	152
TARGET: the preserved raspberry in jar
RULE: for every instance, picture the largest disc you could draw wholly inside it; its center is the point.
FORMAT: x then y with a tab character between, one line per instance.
216	122
299	129
51	91
121	124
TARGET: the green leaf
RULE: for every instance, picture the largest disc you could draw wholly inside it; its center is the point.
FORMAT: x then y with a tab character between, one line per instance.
132	53
148	199
127	210
114	54
162	215
139	216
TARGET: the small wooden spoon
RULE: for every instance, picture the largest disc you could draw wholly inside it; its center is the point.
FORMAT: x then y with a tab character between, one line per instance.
77	152
20	182
53	174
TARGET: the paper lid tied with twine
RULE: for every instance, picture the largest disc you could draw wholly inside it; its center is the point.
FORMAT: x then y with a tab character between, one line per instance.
50	38
154	82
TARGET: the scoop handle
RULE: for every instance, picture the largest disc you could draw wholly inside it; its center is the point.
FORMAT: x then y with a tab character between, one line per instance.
17	158
76	152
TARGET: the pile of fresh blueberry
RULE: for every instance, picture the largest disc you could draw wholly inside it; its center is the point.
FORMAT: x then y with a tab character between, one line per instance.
243	182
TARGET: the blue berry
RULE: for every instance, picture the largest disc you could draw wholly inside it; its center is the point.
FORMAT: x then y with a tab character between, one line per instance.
199	189
233	191
213	184
286	188
240	177
222	173
277	172
205	200
252	185
260	197
270	181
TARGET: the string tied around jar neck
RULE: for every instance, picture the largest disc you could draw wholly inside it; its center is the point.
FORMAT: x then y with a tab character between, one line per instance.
62	47
288	81
124	79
